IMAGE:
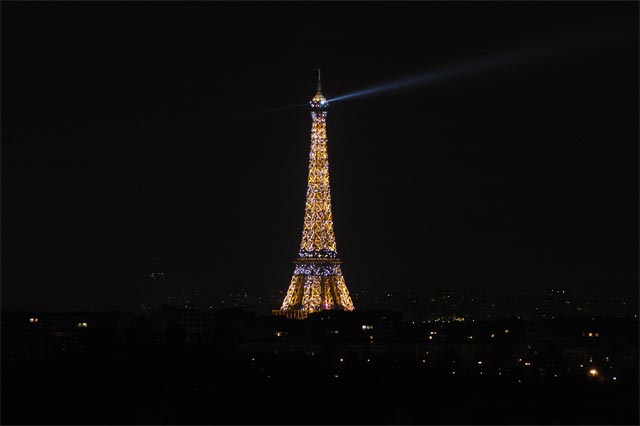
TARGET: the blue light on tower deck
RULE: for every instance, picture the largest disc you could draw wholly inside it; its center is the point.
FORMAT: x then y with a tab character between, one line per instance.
319	103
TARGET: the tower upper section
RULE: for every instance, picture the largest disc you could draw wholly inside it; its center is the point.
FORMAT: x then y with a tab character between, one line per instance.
318	239
319	102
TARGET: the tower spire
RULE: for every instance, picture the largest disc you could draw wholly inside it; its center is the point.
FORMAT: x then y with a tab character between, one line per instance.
319	102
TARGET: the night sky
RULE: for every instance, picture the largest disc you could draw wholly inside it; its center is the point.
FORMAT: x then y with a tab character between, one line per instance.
138	139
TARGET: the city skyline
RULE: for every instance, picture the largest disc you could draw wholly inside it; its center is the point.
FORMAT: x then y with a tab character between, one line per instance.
174	195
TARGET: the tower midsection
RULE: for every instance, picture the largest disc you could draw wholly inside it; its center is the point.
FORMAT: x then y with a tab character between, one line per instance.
318	234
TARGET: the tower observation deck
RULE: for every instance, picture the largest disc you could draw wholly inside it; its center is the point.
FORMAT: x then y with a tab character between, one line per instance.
317	283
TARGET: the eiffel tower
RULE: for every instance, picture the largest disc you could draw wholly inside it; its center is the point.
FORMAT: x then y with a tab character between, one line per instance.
317	283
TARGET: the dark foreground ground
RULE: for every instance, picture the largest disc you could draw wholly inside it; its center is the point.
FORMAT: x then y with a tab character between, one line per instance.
186	367
159	388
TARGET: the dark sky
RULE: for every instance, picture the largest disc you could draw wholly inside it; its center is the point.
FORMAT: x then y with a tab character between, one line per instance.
134	142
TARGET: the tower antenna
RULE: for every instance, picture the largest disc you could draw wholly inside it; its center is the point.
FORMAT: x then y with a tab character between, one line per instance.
319	84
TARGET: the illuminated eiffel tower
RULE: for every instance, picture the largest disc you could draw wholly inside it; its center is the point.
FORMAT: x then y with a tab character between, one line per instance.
317	283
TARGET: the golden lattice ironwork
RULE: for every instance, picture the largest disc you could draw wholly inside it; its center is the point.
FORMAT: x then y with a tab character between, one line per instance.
317	282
